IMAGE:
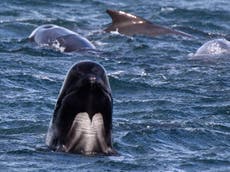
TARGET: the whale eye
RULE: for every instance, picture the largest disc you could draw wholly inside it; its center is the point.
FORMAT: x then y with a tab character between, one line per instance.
96	70
80	73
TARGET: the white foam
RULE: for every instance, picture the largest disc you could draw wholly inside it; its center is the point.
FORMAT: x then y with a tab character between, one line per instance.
56	44
116	32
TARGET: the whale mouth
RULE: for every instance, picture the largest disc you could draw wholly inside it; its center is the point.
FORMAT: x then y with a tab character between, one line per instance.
92	79
91	83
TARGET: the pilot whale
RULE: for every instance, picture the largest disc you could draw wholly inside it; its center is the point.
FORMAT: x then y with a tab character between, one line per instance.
59	38
129	24
214	47
82	119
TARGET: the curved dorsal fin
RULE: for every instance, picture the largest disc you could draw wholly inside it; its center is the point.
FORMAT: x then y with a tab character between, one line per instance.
120	16
129	24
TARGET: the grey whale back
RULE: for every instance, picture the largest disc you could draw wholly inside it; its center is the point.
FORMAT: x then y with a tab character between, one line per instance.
60	38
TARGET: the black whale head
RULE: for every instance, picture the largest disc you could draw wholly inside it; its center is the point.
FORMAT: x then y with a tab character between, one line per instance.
82	119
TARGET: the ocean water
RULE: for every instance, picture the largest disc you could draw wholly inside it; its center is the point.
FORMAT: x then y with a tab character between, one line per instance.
171	112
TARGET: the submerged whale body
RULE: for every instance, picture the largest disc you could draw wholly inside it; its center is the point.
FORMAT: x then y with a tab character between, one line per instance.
214	47
129	24
59	38
82	119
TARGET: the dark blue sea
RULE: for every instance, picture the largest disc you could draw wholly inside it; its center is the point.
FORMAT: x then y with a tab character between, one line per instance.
171	112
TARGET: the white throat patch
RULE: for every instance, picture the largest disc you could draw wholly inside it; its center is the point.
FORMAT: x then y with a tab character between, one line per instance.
86	132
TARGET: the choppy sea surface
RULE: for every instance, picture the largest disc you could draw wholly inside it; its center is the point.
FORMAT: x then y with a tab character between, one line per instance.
171	112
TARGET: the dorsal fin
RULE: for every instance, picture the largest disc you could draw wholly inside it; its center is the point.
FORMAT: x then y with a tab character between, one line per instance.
120	16
129	24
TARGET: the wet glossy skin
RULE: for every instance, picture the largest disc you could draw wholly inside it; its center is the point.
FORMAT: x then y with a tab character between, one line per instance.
59	38
129	24
82	119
